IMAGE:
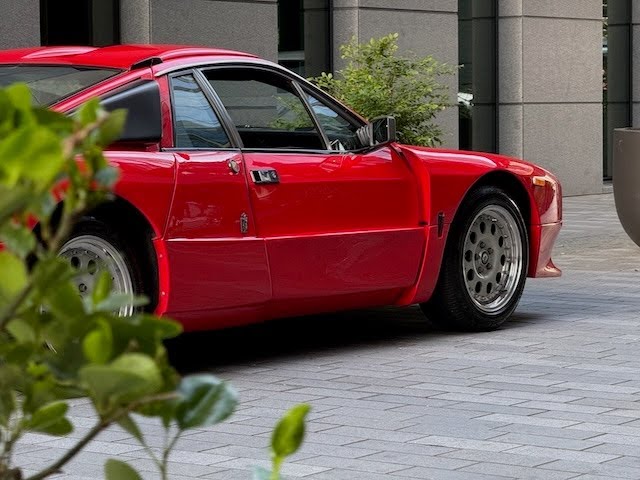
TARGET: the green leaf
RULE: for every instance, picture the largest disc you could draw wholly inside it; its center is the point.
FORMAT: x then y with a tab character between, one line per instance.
110	130
102	287
117	470
44	391
13	279
164	328
115	301
51	277
129	377
143	330
18	239
21	331
10	380
88	112
98	344
50	272
289	433
50	419
33	154
64	301
13	199
107	176
206	400
130	426
7	406
20	96
56	121
163	409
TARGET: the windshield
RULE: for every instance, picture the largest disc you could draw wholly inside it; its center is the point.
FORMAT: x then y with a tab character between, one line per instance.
50	84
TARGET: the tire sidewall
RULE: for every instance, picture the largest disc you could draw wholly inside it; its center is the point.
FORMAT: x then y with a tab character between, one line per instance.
479	200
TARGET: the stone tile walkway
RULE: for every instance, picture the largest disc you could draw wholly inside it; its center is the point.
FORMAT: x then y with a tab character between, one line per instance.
555	394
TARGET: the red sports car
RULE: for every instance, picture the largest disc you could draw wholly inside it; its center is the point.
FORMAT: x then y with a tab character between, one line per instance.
246	193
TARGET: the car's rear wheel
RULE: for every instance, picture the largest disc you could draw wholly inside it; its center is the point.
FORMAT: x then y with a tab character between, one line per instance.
94	247
485	264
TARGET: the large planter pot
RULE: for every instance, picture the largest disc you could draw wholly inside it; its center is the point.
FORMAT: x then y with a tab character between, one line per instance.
626	179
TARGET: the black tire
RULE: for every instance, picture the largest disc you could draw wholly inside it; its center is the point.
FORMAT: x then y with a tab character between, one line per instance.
456	303
134	255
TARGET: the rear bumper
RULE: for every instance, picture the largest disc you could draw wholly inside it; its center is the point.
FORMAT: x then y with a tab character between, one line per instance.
541	241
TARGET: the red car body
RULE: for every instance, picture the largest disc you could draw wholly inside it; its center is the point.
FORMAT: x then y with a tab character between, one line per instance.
340	230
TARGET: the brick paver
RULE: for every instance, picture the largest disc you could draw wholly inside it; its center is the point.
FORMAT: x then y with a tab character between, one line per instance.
554	394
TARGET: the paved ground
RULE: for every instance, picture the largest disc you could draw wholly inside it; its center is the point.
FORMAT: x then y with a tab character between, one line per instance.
555	394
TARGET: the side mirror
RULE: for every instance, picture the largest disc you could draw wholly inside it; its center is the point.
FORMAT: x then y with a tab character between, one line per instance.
379	131
383	130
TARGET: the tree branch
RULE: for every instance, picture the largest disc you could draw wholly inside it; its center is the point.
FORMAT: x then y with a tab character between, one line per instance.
99	427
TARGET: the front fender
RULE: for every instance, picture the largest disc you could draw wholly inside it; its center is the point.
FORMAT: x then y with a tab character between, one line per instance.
445	177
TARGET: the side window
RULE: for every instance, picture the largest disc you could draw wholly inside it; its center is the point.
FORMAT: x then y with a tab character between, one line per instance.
340	131
265	109
195	124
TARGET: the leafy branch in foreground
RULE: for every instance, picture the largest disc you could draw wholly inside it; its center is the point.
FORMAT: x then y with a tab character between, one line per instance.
56	345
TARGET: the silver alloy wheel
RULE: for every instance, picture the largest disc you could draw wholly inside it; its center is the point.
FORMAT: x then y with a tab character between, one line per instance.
90	255
492	259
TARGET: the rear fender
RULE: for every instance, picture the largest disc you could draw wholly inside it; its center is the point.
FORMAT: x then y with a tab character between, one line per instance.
144	193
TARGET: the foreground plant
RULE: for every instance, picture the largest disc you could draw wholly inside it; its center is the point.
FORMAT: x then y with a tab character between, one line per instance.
54	344
377	81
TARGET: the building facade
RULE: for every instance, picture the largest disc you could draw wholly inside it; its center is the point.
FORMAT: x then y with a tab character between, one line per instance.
531	80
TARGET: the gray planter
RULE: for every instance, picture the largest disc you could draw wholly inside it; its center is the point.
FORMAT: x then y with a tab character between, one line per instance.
626	179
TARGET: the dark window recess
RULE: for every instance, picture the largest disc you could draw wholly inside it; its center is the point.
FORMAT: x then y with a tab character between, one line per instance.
477	92
304	36
616	67
80	22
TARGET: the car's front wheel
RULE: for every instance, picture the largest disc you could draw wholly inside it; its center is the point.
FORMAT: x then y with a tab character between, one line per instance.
485	264
94	247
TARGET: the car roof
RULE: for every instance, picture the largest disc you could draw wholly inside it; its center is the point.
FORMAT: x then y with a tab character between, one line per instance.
123	57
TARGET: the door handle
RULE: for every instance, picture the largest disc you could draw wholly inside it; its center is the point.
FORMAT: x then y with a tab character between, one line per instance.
265	175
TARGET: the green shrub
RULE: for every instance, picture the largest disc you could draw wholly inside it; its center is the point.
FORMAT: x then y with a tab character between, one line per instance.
377	81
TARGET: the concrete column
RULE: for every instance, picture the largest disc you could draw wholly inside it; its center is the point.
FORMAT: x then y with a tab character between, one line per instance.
135	21
426	27
19	23
550	87
246	25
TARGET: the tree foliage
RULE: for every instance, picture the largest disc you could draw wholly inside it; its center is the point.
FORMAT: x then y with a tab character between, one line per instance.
378	81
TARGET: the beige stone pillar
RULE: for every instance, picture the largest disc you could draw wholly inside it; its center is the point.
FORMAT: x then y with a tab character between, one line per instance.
550	87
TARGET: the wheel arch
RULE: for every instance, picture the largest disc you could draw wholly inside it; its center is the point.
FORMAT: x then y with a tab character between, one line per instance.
136	229
511	185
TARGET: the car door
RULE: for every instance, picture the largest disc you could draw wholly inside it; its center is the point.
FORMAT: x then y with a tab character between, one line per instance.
217	261
336	223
